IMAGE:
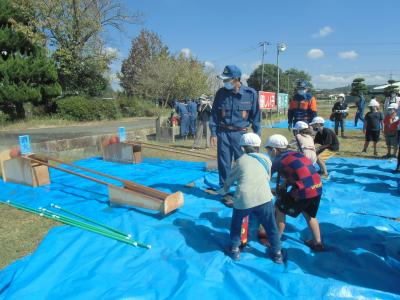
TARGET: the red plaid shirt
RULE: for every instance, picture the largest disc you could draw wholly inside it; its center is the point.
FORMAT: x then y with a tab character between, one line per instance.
299	173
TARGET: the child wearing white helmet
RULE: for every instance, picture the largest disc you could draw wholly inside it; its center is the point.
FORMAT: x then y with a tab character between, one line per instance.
302	189
373	125
390	129
303	141
328	141
253	196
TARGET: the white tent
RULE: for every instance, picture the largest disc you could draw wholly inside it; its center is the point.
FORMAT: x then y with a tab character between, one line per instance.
382	87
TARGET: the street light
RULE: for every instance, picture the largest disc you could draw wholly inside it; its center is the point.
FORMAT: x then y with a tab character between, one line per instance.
280	47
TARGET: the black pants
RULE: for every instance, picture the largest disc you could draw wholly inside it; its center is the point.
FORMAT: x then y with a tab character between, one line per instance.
341	123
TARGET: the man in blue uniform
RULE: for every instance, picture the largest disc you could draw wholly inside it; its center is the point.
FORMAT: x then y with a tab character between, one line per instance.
192	108
235	107
181	109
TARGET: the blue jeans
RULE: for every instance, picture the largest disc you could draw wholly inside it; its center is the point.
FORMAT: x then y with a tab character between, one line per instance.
359	115
228	149
265	214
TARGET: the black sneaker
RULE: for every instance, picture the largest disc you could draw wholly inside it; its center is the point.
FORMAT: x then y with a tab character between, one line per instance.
317	247
233	253
277	257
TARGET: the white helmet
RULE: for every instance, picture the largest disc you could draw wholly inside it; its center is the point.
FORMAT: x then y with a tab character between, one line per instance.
300	125
373	102
250	139
341	96
277	141
393	106
317	120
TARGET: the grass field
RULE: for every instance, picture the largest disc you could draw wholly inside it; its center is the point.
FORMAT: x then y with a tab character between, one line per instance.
20	232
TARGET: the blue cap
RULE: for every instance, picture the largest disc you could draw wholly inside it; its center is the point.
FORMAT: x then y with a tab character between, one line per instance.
303	84
230	71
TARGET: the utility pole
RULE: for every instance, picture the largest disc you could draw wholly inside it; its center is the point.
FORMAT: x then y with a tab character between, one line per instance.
262	44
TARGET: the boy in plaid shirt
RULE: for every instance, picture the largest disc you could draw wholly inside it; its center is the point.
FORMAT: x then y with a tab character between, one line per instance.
304	183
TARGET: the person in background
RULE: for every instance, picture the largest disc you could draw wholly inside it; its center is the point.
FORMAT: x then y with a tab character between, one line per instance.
202	122
340	112
373	125
328	141
302	190
390	130
253	196
192	109
235	108
303	141
360	110
392	99
181	109
303	106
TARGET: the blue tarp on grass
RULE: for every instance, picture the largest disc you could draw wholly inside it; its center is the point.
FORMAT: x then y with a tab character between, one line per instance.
186	260
349	125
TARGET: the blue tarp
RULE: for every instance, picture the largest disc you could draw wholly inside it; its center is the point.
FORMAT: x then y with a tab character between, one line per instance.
186	260
349	125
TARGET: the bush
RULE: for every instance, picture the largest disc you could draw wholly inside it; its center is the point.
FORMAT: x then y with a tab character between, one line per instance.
79	108
3	119
131	107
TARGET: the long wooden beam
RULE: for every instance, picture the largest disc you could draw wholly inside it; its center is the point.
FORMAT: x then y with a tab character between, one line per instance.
175	150
131	193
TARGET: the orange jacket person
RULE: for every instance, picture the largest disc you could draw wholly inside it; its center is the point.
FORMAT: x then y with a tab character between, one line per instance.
303	106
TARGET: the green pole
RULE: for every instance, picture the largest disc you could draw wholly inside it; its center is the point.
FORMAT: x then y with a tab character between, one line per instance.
90	220
73	222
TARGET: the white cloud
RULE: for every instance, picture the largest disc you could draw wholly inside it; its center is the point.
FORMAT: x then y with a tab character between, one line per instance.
112	51
256	64
245	76
348	54
315	53
324	31
209	65
186	52
332	81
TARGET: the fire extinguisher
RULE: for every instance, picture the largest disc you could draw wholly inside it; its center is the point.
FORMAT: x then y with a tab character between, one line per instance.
245	229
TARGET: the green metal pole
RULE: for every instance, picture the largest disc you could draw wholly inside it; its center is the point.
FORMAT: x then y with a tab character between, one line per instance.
73	222
90	220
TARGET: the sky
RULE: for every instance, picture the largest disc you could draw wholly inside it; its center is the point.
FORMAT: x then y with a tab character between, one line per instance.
333	40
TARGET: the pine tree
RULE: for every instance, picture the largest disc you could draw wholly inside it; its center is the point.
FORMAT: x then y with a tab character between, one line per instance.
358	87
26	73
391	88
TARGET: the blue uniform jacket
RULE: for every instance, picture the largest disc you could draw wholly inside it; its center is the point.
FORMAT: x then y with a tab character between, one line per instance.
235	109
181	109
192	108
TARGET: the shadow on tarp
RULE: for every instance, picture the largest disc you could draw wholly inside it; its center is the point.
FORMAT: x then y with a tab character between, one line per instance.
362	256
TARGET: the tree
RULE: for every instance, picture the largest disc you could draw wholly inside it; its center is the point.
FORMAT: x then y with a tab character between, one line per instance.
172	77
75	28
358	87
146	48
26	73
288	79
391	88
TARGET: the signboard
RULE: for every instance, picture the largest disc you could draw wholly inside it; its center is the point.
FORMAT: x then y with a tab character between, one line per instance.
283	101
266	100
25	144
122	134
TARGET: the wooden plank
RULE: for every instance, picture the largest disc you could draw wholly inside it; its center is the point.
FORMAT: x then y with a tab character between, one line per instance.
128	197
122	153
18	170
4	155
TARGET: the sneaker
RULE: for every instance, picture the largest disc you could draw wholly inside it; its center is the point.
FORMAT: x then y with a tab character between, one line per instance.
233	253
325	176
227	200
277	257
317	247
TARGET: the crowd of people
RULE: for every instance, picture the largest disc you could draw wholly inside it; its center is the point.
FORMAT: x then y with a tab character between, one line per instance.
299	164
